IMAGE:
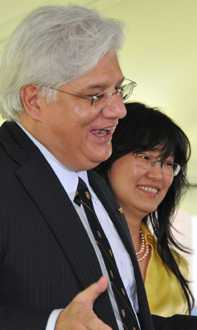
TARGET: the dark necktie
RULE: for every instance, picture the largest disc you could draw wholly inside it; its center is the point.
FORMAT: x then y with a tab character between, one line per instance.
127	315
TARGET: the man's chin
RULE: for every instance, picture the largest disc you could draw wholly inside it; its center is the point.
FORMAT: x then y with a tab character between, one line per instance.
97	161
97	155
104	155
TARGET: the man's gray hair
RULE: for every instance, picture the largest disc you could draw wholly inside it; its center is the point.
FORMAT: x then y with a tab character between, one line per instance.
54	45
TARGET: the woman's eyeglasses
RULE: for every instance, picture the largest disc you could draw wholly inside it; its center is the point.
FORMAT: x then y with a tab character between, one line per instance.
146	161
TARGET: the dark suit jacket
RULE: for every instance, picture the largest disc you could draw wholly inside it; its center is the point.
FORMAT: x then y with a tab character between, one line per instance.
46	257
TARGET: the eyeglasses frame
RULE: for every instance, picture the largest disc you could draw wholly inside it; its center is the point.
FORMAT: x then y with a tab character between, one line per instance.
95	98
175	171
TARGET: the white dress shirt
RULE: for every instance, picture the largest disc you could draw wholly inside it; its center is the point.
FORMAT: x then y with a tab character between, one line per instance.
69	181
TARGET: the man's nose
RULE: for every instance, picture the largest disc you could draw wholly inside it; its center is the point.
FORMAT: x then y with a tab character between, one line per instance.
115	107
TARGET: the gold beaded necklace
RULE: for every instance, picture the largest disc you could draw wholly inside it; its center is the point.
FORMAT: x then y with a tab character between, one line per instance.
144	248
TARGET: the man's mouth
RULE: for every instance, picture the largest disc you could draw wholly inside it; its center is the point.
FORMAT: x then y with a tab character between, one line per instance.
103	132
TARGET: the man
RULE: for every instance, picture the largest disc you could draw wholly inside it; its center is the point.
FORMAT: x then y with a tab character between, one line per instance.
63	92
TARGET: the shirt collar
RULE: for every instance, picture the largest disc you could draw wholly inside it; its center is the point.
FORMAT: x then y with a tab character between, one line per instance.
67	177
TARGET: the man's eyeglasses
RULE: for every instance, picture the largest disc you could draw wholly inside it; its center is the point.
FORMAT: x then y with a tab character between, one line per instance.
145	161
125	90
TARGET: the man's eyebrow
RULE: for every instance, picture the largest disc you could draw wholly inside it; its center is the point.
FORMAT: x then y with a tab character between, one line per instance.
102	85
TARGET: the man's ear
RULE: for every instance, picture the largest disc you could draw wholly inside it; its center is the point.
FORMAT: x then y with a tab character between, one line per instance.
30	98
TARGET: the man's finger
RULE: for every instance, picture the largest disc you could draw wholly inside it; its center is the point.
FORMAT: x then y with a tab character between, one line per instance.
93	291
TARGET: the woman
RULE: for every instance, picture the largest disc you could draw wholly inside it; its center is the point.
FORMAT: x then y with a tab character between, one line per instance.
147	173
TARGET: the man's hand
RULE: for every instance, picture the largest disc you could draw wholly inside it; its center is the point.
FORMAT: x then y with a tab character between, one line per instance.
79	314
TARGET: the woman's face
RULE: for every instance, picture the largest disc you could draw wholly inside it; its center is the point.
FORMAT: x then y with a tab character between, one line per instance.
139	181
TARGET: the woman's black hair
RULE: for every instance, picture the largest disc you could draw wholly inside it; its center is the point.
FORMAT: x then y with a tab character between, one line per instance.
145	128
